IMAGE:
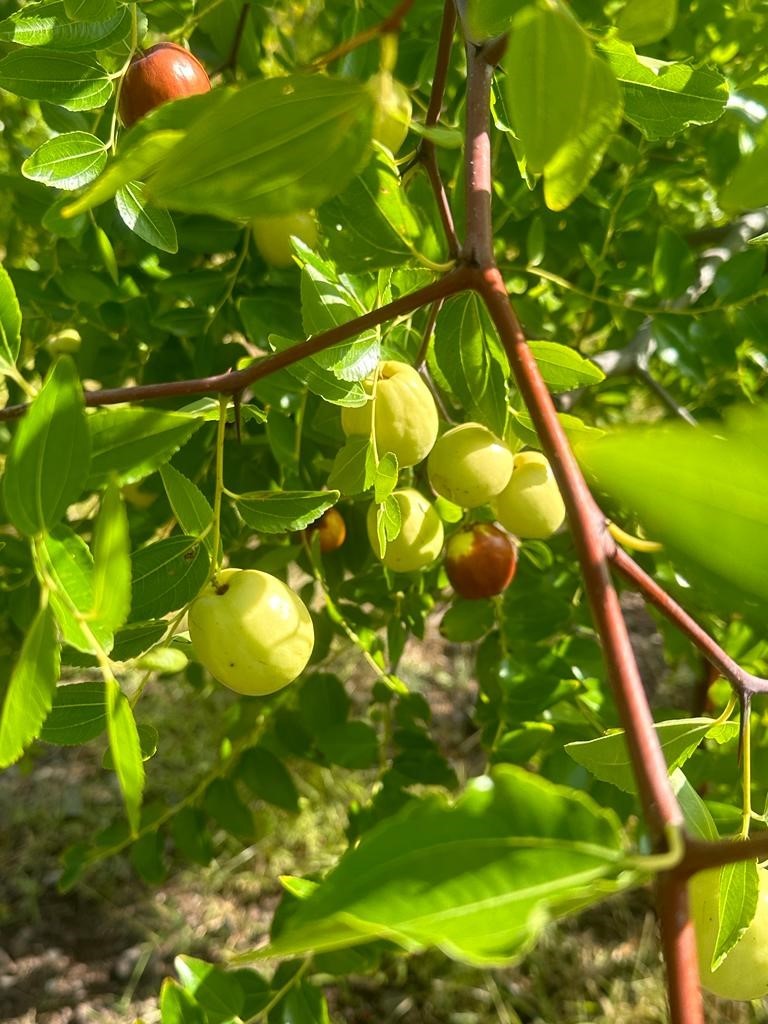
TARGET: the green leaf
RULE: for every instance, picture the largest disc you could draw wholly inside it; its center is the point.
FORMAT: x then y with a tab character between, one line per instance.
149	222
319	380
350	745
646	21
136	638
223	804
167	575
323	702
700	492
74	81
738	898
281	511
698	820
217	991
469	357
354	468
71	567
327	302
466	621
190	506
125	747
48	461
47	25
189	832
78	714
662	99
67	161
563	368
112	563
747	189
488	18
575	429
177	1007
131	443
385	480
268	779
608	759
87	10
303	1004
563	100
10	322
478	878
371	224
30	689
272	147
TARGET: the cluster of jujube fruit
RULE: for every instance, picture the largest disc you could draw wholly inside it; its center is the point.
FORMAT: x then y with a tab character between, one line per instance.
268	631
467	466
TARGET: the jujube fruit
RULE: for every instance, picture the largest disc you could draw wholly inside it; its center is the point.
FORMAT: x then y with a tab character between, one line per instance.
405	417
272	236
251	631
162	73
393	110
331	530
744	972
530	506
469	465
420	540
480	560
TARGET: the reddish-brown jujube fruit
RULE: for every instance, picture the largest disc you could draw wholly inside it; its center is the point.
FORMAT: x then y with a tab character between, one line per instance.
331	529
480	561
164	72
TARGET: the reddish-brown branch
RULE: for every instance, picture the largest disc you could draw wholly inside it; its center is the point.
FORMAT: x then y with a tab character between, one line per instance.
702	854
392	23
427	154
478	245
742	681
678	941
235	381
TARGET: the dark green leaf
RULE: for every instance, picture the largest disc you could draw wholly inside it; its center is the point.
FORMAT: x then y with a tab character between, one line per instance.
350	744
67	161
267	778
281	511
167	575
78	714
222	803
149	222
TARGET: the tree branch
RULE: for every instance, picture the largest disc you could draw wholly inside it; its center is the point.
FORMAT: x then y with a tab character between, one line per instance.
427	153
236	381
742	681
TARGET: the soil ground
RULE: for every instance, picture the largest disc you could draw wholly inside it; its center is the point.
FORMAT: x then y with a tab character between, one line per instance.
97	955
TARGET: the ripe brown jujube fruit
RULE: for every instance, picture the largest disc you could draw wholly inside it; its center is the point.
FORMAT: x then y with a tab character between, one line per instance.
480	561
331	529
162	73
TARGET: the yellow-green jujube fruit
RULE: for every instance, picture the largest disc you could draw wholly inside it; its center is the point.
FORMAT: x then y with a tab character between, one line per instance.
469	465
420	540
406	414
744	972
251	631
392	112
531	505
272	236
